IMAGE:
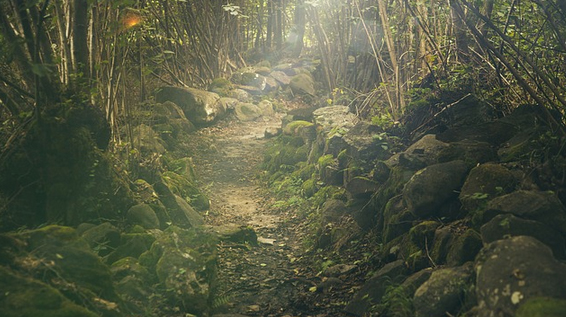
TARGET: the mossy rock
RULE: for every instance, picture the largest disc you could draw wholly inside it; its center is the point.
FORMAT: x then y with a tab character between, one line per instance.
143	191
325	160
134	245
132	280
471	152
443	239
424	232
54	234
183	187
26	297
302	84
484	183
464	248
184	261
397	219
542	307
309	188
284	156
220	86
392	187
102	238
244	76
304	171
149	141
404	248
443	292
295	127
128	266
328	192
143	215
83	268
72	260
522	145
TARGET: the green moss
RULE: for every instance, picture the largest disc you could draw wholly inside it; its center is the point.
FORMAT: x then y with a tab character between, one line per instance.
137	229
220	82
423	232
25	297
39	237
284	154
325	160
295	127
465	248
305	171
325	193
343	156
183	187
542	307
397	301
301	154
309	188
185	167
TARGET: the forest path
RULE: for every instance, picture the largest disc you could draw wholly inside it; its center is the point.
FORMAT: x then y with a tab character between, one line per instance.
262	280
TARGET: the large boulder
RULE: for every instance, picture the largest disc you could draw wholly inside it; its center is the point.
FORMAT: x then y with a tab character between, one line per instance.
373	289
103	238
471	152
266	108
184	263
143	215
422	153
182	185
148	140
484	183
281	77
494	133
180	212
444	292
334	118
302	84
507	225
432	186
247	111
512	271
366	143
200	107
543	207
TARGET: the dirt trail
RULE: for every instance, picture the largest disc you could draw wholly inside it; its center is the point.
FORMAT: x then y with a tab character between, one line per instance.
258	280
273	278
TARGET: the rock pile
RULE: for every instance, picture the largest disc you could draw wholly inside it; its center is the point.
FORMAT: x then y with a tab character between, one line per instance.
471	218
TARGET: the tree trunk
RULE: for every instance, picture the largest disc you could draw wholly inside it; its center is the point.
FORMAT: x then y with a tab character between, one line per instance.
80	40
299	27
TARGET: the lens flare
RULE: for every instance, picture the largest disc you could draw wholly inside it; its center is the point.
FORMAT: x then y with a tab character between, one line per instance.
131	19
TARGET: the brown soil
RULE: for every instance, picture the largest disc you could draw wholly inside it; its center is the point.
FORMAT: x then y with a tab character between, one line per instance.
274	278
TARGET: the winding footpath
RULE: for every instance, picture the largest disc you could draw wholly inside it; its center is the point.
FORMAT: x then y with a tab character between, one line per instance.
253	280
